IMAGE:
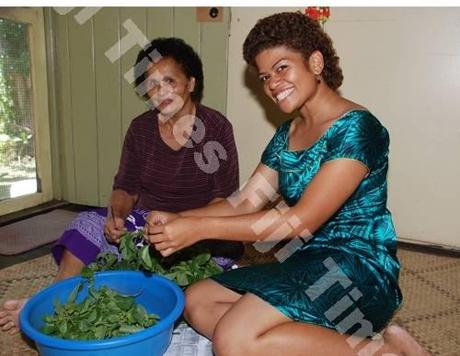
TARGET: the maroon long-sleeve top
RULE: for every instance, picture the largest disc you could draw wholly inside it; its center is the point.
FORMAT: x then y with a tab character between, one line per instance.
165	179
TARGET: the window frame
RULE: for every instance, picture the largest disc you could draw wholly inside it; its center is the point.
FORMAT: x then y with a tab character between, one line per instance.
36	32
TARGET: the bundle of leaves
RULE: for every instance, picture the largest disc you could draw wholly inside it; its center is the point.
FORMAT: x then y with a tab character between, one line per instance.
103	314
184	267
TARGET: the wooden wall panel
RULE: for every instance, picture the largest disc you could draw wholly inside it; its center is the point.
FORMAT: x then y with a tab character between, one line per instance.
132	105
84	124
186	26
95	103
214	54
64	106
108	100
160	22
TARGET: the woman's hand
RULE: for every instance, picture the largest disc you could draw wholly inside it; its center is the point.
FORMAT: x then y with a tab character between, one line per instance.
114	228
174	235
157	217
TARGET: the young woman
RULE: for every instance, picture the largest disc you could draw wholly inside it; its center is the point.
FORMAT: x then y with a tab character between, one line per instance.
340	277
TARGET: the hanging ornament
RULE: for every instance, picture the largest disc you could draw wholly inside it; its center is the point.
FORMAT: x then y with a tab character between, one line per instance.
318	13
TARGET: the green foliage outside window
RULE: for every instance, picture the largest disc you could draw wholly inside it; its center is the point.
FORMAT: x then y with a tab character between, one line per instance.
16	121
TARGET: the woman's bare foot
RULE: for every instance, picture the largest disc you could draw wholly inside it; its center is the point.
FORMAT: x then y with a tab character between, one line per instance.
400	339
9	315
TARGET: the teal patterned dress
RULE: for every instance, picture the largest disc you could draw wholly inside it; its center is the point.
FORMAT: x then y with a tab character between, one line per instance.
346	276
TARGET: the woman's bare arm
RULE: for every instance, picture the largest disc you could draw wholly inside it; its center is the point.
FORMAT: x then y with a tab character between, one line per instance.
330	188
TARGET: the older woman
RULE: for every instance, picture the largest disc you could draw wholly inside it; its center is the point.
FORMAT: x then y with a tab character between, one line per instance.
179	155
339	272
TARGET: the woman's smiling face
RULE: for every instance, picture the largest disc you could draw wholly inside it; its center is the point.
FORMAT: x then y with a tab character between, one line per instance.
286	77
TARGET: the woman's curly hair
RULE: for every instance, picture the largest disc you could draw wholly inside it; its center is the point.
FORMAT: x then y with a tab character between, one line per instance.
298	32
181	52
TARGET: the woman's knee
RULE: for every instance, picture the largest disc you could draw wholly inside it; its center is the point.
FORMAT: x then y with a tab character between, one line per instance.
195	301
230	340
205	294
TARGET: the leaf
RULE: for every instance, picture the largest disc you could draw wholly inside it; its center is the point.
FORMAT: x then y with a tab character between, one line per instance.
48	319
182	280
151	320
111	260
86	272
57	306
63	327
140	314
130	329
92	316
48	329
127	246
146	258
125	303
202	258
99	332
83	325
114	318
73	295
84	306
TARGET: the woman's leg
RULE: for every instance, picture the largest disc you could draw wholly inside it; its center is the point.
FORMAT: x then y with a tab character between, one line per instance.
70	266
76	247
205	304
252	327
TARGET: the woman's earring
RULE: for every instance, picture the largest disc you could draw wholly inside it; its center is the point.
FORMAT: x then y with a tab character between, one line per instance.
318	79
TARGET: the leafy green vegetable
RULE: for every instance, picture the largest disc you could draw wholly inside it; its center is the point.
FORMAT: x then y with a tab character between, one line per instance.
103	314
184	267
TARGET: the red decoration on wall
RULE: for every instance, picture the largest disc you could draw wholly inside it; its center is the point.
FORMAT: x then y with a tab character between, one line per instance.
318	13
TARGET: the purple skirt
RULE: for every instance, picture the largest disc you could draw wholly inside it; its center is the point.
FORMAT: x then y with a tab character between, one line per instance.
85	239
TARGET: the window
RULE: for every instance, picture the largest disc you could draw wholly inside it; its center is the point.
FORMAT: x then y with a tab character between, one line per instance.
25	167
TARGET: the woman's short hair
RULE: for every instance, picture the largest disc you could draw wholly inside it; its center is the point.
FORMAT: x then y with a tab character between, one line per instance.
297	32
181	52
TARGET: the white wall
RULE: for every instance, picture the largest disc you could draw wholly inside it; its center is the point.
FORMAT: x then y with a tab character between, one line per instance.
404	65
253	116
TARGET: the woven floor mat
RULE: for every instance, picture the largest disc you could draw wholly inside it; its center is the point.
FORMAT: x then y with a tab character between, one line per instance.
430	284
431	308
21	281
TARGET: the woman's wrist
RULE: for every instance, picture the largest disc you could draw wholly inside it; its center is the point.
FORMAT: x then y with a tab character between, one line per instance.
203	226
